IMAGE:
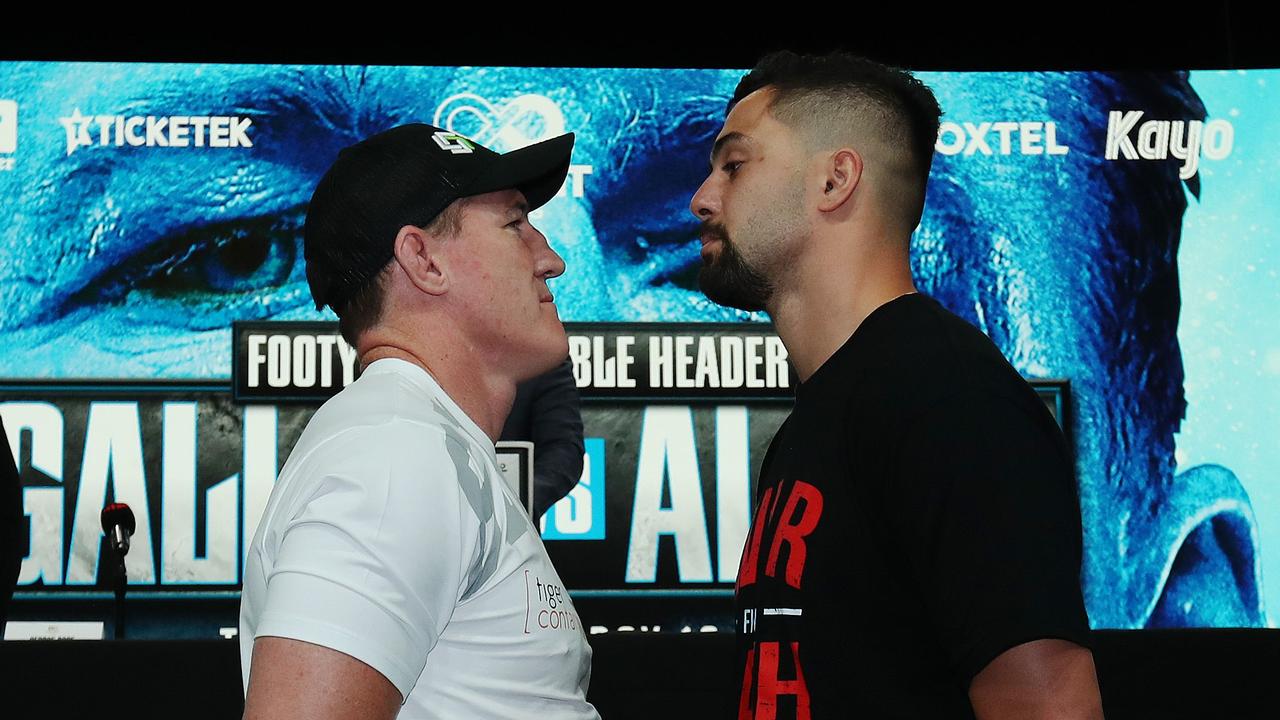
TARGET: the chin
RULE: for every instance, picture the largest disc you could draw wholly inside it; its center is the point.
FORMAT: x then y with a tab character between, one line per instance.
543	357
559	349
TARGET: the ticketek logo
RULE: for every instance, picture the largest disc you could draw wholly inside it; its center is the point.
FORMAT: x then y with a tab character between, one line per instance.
169	131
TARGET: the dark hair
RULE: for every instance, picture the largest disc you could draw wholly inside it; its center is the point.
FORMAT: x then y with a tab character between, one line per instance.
810	86
364	308
407	175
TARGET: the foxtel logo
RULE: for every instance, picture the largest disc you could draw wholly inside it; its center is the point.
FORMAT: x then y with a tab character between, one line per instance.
1162	139
999	138
156	131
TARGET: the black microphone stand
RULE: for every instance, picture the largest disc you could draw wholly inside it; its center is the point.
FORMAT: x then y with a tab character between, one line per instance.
121	581
118	524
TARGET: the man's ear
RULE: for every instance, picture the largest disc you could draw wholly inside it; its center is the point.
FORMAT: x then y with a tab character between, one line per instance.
842	175
419	256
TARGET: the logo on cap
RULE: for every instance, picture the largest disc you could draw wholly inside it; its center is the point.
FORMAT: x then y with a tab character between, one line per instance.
453	142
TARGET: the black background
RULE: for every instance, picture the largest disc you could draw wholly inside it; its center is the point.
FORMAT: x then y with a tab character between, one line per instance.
946	36
1192	674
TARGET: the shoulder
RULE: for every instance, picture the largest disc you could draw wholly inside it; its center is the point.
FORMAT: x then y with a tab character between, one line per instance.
917	334
381	457
998	449
384	415
913	358
984	409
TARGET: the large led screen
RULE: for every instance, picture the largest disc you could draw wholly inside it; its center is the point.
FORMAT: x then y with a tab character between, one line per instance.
1116	232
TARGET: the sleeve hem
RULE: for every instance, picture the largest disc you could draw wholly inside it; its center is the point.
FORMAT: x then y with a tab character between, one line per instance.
981	658
325	634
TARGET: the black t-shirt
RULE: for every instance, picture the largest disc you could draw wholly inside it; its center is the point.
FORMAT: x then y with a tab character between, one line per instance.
916	516
548	412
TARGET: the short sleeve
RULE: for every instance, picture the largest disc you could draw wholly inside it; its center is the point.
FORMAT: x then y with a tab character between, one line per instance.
372	563
985	509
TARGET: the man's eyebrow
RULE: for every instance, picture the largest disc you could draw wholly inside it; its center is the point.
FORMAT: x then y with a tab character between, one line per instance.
517	210
726	139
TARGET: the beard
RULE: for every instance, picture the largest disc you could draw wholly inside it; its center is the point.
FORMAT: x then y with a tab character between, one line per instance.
727	279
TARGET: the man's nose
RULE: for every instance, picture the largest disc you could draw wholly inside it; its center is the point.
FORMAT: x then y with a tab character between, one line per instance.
705	203
550	264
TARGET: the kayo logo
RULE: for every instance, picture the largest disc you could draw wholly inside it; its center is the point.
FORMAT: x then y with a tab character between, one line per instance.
1162	139
215	131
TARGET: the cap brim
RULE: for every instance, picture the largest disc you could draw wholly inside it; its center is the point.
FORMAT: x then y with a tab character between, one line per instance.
536	170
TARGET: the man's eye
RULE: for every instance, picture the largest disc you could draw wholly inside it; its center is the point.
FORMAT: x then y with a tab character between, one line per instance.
664	245
235	257
732	167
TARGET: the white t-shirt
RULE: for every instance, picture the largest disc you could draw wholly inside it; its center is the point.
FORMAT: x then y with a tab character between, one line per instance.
392	536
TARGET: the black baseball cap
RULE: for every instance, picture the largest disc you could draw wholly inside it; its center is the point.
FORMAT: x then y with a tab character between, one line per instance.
407	176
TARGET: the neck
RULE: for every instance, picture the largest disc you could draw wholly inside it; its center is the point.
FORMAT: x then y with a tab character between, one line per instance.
485	397
828	295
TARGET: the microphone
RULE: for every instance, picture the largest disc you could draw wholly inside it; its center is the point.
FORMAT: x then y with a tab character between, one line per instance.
118	523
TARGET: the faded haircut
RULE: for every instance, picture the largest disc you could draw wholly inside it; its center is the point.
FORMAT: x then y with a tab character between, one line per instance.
831	98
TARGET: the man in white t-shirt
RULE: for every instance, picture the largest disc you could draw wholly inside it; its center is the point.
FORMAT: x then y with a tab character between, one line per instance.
393	570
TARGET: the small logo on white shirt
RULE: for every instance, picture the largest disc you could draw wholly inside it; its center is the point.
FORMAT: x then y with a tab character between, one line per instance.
547	606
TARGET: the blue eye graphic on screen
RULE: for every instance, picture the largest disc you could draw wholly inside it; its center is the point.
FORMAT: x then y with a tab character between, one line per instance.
208	275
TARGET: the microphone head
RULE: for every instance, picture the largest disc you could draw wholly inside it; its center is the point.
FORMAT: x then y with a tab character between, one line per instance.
118	514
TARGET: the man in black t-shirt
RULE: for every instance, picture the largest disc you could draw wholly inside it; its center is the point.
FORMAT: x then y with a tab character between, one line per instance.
548	412
915	550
